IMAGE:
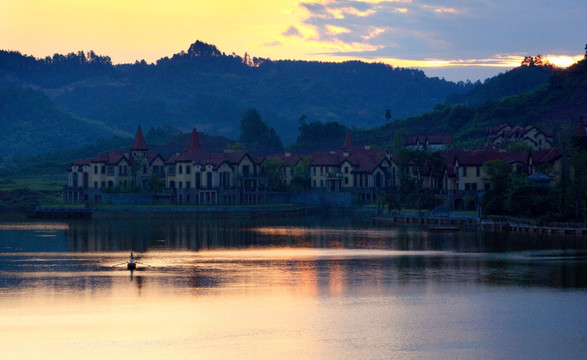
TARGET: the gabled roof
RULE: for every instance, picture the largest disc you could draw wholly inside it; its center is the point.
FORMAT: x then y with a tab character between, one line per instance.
79	163
152	157
194	153
430	139
139	142
287	160
112	157
545	156
481	156
361	159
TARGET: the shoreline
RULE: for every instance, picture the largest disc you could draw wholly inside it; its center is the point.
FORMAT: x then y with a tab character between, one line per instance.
249	210
452	222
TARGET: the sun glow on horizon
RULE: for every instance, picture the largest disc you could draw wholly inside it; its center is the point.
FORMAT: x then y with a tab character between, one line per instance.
310	30
563	61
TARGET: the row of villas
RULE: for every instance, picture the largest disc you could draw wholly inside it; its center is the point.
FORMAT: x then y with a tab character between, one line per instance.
196	176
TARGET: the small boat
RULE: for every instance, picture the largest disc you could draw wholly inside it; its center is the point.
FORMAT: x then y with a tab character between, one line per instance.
131	265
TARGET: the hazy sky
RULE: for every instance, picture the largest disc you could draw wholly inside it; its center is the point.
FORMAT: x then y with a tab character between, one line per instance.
457	39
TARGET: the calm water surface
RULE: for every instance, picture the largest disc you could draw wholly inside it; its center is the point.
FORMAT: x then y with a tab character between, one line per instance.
294	288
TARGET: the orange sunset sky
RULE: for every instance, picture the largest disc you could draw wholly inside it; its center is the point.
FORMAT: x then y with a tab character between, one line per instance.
452	38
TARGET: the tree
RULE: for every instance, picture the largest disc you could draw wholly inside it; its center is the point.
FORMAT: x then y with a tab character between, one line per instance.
498	174
519	198
255	131
412	164
301	177
388	115
578	161
156	183
273	168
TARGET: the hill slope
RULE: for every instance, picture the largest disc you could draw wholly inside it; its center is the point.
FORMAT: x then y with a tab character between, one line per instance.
31	124
558	105
208	89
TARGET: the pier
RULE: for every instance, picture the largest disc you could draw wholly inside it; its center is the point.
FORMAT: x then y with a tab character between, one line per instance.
498	224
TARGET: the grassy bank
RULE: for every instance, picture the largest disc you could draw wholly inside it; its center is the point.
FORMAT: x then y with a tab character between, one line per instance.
23	193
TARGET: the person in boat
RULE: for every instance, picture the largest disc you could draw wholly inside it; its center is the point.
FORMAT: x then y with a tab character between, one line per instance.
132	258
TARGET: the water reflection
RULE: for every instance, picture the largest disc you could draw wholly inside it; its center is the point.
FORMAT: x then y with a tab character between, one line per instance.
286	288
196	234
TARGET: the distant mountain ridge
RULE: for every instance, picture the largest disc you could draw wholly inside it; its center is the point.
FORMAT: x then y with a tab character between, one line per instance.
208	89
558	105
513	82
67	101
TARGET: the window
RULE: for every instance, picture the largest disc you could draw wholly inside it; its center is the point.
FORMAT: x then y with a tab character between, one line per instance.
110	170
95	169
198	180
95	184
470	186
180	169
172	184
464	171
103	169
209	179
187	184
346	170
188	169
102	184
346	180
246	170
180	184
478	170
171	170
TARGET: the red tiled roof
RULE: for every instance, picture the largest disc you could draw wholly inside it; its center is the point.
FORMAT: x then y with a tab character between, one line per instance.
139	143
80	163
194	153
481	156
361	159
112	157
287	160
545	156
348	141
194	143
431	139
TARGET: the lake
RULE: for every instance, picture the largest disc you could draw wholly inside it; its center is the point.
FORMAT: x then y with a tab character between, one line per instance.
331	287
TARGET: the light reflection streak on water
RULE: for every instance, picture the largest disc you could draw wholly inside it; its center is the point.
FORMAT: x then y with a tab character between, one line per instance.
35	226
304	231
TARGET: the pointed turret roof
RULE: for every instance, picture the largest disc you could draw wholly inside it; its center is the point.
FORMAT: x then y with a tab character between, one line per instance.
581	130
348	141
194	143
139	143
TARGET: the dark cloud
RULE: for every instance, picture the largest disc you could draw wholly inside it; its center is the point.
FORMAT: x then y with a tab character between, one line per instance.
452	29
292	31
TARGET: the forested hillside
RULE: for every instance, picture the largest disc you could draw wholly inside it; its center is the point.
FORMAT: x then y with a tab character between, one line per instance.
558	105
30	123
207	89
533	72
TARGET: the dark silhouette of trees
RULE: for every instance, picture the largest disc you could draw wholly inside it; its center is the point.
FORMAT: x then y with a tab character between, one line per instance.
255	131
